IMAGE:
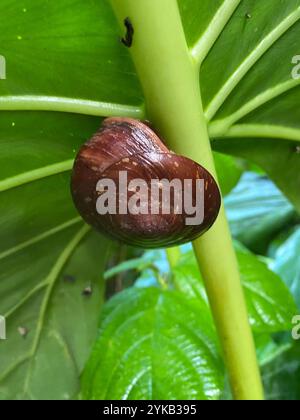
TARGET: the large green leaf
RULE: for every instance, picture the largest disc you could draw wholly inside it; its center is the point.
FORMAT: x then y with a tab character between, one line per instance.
248	91
40	232
44	300
67	49
159	350
81	39
36	156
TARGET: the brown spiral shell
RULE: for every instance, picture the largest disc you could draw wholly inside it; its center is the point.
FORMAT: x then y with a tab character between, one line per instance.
131	146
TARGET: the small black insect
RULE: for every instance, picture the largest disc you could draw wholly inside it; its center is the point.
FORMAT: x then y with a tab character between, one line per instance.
128	39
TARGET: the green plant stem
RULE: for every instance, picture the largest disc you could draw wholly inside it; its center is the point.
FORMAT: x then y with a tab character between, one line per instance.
173	256
170	82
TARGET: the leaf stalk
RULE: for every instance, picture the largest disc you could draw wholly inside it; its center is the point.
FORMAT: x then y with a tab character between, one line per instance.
170	81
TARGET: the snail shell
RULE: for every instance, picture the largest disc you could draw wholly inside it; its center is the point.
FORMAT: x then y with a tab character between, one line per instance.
131	146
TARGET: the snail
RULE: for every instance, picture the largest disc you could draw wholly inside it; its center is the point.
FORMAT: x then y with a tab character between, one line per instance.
127	184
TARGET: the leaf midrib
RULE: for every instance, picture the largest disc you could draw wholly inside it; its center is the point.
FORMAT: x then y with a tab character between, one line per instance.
70	105
220	127
40	237
35	175
257	131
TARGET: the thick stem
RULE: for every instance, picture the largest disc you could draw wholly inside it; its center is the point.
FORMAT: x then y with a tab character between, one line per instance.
171	87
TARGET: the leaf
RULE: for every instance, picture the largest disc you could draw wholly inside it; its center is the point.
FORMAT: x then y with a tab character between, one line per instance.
67	50
197	17
257	210
40	232
279	240
250	98
35	178
270	305
281	376
287	265
159	350
113	87
132	264
263	44
279	159
267	349
50	324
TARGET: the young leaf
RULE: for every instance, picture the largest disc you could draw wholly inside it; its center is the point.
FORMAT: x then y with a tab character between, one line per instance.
158	350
